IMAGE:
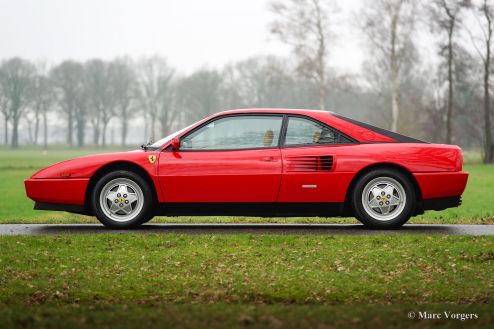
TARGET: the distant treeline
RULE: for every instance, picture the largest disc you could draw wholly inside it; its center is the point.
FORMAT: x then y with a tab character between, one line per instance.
398	89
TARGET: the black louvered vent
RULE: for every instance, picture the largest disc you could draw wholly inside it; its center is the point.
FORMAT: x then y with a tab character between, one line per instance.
310	163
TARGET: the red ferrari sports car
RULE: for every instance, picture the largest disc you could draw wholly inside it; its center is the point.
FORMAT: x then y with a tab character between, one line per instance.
260	162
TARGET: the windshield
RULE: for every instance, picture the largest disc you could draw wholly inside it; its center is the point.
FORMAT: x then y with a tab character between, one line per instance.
163	141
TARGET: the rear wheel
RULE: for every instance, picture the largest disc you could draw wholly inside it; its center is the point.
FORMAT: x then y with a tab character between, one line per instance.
383	198
122	199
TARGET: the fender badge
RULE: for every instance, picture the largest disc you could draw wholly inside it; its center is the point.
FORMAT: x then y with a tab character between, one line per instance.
152	158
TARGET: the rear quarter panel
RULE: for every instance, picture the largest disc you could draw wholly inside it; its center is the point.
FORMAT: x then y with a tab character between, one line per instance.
350	159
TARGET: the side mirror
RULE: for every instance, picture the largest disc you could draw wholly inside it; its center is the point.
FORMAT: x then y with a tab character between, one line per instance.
175	143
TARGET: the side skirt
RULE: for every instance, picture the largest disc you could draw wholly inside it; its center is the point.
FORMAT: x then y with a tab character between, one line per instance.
263	209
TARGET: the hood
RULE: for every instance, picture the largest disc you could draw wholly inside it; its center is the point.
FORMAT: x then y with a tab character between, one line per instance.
85	167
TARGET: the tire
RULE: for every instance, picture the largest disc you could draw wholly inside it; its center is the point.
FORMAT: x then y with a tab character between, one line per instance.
122	199
383	198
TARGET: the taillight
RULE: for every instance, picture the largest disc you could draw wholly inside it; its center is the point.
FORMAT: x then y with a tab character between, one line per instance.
459	160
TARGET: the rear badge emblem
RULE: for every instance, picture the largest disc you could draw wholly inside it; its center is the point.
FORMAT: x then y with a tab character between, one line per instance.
152	158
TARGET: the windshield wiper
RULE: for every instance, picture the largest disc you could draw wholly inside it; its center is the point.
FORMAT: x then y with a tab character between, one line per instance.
146	146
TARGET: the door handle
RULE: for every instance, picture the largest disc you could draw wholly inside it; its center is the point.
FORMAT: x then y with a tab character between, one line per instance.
268	159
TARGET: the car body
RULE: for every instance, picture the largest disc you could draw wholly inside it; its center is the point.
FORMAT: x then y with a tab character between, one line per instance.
261	162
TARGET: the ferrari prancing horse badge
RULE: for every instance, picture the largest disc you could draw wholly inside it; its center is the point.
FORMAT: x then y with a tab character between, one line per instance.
152	158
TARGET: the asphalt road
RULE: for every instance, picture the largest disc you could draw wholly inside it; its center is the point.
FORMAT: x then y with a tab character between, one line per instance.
298	229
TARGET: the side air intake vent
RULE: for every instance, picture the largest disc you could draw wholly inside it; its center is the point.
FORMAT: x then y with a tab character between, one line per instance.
310	163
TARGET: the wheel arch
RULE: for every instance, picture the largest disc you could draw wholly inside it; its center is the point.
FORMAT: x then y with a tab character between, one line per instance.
383	165
113	166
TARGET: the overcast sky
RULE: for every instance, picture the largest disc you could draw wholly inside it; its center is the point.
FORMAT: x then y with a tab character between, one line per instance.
189	33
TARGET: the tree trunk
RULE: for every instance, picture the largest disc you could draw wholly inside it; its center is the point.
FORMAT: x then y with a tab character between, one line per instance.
449	114
70	128
322	93
6	132
15	133
103	137
395	71
395	109
124	128
36	127
146	128
95	134
165	122
153	126
45	131
321	56
488	149
80	132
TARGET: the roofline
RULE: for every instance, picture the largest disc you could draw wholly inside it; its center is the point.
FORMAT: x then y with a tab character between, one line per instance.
269	110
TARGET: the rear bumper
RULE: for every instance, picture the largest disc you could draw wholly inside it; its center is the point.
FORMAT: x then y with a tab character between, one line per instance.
442	203
57	191
441	184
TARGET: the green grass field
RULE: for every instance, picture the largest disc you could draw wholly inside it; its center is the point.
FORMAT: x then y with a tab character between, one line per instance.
15	207
243	281
225	281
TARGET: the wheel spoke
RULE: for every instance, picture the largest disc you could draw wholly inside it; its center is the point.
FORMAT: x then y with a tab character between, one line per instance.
373	203
394	201
114	207
127	209
384	210
131	197
376	191
122	189
111	196
389	190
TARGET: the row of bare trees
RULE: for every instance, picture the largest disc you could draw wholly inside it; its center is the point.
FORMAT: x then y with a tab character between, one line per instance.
88	97
444	101
393	63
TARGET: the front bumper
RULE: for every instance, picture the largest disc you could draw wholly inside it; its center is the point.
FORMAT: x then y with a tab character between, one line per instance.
61	191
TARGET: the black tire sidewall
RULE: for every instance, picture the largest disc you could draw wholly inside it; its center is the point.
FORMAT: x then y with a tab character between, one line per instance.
361	213
146	212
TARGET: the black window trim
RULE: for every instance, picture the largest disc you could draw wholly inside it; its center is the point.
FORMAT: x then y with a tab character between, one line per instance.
275	146
340	134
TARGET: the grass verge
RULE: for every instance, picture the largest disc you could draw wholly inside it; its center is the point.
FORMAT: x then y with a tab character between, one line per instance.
225	281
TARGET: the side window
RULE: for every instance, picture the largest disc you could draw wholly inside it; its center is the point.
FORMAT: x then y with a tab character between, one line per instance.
236	132
306	132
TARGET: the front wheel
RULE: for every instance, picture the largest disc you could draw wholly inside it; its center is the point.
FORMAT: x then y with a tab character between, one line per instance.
122	199
383	198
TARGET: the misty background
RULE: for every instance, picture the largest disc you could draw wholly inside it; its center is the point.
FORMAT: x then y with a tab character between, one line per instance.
93	73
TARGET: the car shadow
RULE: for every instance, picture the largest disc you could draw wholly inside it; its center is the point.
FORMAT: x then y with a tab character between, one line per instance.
296	229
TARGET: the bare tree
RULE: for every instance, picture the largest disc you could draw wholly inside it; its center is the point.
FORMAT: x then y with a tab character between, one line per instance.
123	84
17	81
305	26
167	113
483	12
154	75
388	26
198	95
446	15
43	100
4	109
67	81
100	97
258	82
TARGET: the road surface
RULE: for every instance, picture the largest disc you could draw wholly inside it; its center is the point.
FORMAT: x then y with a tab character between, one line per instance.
296	229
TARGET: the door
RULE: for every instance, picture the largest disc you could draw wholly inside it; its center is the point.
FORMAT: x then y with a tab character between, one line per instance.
229	159
310	163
